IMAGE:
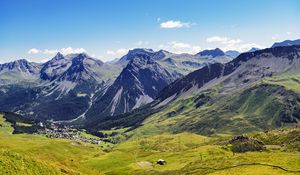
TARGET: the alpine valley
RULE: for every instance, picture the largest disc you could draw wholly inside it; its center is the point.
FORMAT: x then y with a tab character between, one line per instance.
153	112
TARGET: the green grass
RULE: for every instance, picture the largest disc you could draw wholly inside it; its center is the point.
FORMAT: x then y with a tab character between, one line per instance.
57	155
289	81
185	153
260	107
23	124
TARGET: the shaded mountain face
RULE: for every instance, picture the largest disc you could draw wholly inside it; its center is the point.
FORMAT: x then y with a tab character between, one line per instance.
83	68
73	72
21	65
247	67
211	53
75	67
54	68
149	52
232	53
287	43
138	84
18	71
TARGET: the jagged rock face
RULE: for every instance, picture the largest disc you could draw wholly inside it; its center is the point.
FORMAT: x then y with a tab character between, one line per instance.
21	65
18	71
138	84
54	67
149	52
132	54
212	53
82	68
197	78
75	67
246	68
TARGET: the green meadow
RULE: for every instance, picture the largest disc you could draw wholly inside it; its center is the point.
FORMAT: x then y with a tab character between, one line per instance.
185	153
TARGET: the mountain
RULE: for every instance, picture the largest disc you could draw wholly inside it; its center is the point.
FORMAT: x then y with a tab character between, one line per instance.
232	53
63	89
149	52
138	84
18	71
67	87
253	49
174	63
55	67
212	53
74	67
247	67
256	91
287	43
83	68
75	71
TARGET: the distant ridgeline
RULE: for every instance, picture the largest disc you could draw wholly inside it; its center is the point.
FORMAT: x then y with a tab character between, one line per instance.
209	92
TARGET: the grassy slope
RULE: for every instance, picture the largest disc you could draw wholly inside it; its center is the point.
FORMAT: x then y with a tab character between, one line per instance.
190	154
185	153
268	104
289	81
53	155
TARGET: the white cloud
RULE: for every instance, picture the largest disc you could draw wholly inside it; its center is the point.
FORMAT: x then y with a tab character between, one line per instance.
174	24
223	40
117	53
49	52
216	39
65	51
70	50
288	33
180	47
33	51
226	43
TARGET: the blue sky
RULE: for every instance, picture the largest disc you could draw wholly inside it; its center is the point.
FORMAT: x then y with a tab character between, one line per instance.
106	29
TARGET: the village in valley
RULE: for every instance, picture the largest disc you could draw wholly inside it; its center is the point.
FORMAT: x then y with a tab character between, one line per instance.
55	130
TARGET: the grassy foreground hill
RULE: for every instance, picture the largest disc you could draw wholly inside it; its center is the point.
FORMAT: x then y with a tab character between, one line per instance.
185	153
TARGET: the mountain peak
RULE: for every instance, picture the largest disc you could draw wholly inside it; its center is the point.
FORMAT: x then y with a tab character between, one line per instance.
22	60
58	56
138	84
132	53
232	53
212	53
286	43
253	49
141	58
20	65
